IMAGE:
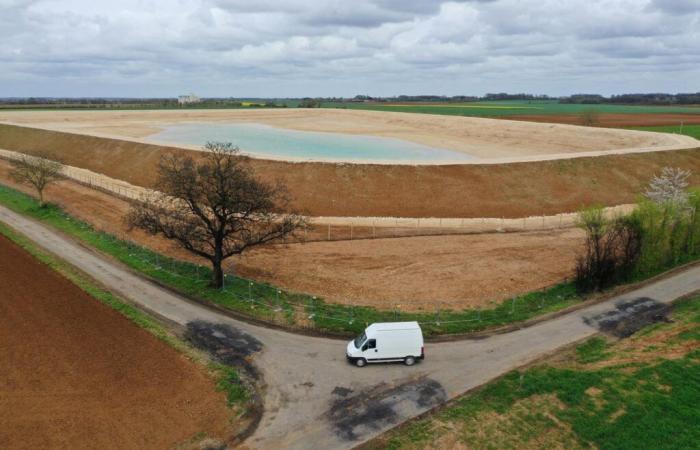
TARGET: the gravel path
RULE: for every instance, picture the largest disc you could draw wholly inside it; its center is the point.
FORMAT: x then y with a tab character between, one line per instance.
313	396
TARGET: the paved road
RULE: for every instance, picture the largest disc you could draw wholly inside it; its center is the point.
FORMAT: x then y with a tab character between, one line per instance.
314	399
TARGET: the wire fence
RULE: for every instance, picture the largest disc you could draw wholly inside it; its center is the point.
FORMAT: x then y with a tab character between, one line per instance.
301	311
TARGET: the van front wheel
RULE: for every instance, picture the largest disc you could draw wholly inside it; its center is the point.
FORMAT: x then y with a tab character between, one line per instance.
409	360
360	362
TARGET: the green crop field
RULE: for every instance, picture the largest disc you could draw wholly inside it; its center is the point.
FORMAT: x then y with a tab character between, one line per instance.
510	108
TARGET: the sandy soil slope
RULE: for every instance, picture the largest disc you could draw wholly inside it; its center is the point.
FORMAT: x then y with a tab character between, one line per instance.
416	272
76	374
320	189
479	137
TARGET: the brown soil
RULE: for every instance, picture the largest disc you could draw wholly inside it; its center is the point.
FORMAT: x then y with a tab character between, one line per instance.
615	120
324	189
420	273
77	374
416	272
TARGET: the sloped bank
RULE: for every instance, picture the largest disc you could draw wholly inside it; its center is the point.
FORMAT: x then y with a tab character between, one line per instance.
334	189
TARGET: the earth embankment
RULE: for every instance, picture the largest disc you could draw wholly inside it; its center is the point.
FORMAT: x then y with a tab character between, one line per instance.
334	189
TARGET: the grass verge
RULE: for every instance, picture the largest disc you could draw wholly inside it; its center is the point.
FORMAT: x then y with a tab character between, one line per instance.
226	378
640	392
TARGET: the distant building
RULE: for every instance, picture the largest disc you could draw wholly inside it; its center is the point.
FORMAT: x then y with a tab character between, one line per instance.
186	99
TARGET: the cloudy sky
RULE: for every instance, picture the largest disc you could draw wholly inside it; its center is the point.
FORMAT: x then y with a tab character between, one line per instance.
291	48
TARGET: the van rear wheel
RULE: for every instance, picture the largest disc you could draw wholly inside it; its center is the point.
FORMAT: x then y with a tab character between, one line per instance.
409	360
360	362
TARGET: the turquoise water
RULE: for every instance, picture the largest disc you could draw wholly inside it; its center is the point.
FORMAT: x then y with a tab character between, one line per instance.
266	141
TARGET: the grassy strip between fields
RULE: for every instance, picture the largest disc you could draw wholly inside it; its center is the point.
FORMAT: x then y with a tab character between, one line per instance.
639	392
227	378
687	130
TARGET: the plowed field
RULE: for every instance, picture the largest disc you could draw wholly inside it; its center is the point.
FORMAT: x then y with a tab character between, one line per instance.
75	374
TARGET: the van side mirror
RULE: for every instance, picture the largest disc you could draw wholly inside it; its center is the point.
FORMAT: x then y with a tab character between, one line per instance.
364	347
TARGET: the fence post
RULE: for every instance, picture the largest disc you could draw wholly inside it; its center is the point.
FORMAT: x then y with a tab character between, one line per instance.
329	231
351	231
512	309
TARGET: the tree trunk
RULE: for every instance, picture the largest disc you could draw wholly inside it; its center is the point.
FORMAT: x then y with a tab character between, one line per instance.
41	198
217	279
217	273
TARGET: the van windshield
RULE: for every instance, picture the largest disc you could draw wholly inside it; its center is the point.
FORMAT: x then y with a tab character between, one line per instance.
359	340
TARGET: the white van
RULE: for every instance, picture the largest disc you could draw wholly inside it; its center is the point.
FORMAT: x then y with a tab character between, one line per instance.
385	342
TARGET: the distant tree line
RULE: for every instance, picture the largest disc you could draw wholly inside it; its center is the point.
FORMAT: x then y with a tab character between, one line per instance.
135	103
634	99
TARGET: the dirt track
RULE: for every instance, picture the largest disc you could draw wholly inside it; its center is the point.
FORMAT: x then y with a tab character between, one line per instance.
76	374
415	272
320	189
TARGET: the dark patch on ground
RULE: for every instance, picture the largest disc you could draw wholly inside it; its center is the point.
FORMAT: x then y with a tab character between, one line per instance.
341	391
629	317
233	348
225	343
376	408
308	384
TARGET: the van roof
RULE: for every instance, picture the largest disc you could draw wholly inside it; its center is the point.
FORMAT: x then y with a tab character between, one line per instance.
388	326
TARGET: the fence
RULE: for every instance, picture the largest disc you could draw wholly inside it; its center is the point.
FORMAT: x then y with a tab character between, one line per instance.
349	228
300	311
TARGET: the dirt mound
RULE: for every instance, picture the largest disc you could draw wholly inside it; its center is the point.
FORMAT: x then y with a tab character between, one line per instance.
76	374
477	136
324	189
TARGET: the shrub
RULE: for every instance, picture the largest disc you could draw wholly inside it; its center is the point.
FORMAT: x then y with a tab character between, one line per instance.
613	247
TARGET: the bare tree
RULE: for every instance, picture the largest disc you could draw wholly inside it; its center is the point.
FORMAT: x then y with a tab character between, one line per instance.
38	171
215	208
589	117
670	186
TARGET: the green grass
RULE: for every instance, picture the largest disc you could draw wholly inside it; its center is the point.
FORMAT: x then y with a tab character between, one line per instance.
273	305
227	378
512	108
688	130
592	350
649	404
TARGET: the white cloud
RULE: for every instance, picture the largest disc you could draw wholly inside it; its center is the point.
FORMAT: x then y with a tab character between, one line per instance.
340	47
